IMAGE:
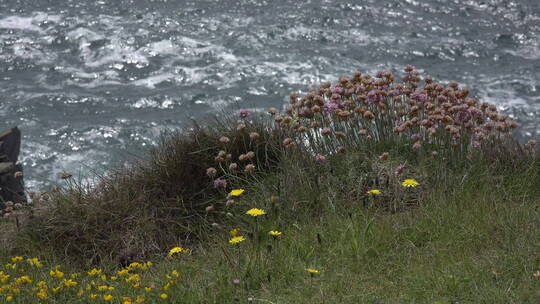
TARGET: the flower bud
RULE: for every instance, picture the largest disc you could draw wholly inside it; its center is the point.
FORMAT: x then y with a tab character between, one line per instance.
211	172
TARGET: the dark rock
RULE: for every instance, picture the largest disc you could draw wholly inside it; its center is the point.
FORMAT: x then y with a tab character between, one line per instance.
10	144
11	173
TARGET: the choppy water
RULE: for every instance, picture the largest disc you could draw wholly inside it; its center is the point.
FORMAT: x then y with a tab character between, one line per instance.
91	83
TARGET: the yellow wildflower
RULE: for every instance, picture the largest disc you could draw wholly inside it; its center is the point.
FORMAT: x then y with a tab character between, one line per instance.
103	288
236	192
108	297
133	278
94	272
255	212
135	265
175	273
35	262
70	283
148	289
55	290
23	280
275	233
9	298
56	274
123	272
374	192
164	296
93	296
234	232
42	284
127	301
237	239
11	266
16	259
312	271
42	294
410	183
177	250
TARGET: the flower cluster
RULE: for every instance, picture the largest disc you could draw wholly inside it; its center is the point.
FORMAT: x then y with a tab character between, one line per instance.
40	285
363	108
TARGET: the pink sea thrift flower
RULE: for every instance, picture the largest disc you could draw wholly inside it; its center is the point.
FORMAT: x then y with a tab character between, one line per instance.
244	113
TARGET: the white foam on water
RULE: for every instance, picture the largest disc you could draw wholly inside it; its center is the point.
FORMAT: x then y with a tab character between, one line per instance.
30	24
151	81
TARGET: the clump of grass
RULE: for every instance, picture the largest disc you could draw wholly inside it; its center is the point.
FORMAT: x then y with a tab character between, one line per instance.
161	200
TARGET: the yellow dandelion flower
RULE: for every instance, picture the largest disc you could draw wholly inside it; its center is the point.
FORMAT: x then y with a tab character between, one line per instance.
177	250
42	284
103	288
312	271
148	289
108	297
374	192
237	239
11	266
55	290
133	278
94	272
35	262
164	296
16	259
410	183
23	280
175	273
4	277
113	278
93	296
236	192
255	212
134	265
56	274
9	298
122	272
234	232
42	294
275	233
69	283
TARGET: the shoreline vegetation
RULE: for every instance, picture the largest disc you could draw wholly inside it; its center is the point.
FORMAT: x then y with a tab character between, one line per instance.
368	190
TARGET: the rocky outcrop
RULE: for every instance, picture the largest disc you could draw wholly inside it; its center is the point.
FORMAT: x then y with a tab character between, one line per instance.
11	173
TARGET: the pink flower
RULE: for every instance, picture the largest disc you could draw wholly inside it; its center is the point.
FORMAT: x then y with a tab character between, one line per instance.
244	113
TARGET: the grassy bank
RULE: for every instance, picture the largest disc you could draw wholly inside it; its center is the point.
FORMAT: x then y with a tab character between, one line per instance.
328	206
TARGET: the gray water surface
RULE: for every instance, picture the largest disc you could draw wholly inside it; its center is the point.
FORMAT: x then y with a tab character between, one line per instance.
91	83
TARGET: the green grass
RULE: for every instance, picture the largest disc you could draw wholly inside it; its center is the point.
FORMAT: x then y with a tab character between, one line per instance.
467	234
